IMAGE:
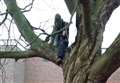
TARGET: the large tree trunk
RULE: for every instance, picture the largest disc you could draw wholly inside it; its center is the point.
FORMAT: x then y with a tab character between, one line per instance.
85	63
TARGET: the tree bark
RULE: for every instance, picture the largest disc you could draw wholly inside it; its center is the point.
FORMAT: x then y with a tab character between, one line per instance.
87	64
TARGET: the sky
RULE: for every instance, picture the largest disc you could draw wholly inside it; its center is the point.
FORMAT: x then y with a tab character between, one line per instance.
42	15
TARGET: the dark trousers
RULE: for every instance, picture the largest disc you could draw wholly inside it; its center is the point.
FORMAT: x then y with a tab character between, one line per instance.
62	46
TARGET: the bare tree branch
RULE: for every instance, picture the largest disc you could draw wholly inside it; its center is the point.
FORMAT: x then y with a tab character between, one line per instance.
107	8
27	33
71	5
107	63
44	32
3	13
51	56
6	14
29	5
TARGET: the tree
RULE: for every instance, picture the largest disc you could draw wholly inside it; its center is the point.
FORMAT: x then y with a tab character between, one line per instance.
85	63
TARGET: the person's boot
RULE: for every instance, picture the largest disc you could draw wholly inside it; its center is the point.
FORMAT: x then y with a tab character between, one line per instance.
59	61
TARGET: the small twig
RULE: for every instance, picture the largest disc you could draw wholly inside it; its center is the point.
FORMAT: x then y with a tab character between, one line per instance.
23	41
3	13
44	32
20	43
29	5
6	14
8	43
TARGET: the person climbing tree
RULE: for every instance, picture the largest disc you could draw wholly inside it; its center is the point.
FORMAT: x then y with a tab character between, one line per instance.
58	25
60	40
62	47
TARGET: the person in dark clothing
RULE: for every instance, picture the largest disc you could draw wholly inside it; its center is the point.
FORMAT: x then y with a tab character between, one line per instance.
58	25
60	40
63	44
62	47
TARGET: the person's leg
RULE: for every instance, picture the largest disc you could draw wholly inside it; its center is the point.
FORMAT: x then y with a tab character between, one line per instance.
61	54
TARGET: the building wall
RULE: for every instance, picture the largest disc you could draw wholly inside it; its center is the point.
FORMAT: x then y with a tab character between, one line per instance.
19	70
38	70
115	77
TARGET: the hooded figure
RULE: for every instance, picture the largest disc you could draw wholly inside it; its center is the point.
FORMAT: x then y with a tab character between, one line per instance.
60	40
58	25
